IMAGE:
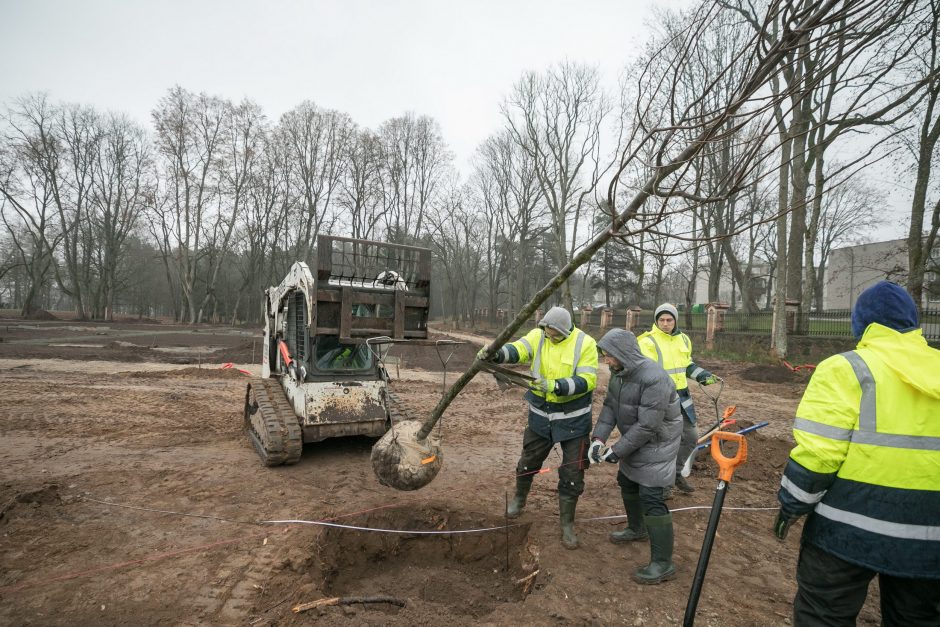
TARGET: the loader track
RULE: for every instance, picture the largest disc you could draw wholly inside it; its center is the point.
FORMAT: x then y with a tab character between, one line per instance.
271	424
397	410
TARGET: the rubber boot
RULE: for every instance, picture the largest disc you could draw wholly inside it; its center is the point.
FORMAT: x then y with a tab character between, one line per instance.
517	504
636	526
566	507
660	567
683	486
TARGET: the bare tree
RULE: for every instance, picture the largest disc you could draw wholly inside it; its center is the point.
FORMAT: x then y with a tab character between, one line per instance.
28	156
416	162
455	239
243	129
362	185
557	117
922	239
122	186
189	141
317	143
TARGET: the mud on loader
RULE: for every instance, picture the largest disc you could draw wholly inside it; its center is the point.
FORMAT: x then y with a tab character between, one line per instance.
326	335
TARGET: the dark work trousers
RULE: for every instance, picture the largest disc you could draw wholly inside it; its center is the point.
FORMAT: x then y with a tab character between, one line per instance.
535	449
652	499
687	443
832	591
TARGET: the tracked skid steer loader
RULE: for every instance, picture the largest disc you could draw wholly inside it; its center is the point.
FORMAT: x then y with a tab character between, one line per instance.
326	335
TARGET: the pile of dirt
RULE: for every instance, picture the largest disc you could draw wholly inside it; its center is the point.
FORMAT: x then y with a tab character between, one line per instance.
40	314
190	373
772	373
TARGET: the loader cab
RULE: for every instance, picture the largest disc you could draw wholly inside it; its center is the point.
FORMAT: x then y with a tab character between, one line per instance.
334	357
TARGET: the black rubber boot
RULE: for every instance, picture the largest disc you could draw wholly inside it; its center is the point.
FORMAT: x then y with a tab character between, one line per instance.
660	567
566	507
683	486
517	504
636	526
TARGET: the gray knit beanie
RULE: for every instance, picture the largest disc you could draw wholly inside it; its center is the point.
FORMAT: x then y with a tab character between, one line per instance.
559	319
666	308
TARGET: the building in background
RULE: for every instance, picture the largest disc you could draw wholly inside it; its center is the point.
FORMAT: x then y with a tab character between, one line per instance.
852	269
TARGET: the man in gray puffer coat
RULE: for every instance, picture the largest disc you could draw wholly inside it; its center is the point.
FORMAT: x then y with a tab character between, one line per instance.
643	404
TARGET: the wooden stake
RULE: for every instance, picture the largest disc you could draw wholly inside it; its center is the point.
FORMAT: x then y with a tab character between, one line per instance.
303	607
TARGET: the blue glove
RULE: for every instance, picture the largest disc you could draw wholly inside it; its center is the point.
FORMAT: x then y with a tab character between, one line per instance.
544	386
594	452
608	455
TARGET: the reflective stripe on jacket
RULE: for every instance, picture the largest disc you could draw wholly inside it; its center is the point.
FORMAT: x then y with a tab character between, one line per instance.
867	461
572	363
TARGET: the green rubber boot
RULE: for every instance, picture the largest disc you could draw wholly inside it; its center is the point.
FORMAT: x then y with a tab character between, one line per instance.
566	507
660	568
517	504
636	527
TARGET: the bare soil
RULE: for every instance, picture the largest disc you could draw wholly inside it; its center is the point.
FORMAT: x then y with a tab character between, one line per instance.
129	495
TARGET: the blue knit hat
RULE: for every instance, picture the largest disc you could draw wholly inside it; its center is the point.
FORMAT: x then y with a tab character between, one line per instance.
887	304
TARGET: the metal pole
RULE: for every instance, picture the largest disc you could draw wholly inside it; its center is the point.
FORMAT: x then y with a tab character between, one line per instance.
506	514
699	577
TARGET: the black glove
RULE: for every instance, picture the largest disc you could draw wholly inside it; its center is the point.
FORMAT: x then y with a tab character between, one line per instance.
608	455
782	525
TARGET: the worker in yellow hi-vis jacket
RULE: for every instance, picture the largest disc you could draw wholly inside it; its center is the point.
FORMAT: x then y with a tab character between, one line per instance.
866	469
672	349
563	361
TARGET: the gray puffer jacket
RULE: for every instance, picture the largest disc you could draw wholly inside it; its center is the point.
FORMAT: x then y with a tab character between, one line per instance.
642	403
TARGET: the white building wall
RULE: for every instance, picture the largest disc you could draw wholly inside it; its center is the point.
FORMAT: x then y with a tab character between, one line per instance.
853	269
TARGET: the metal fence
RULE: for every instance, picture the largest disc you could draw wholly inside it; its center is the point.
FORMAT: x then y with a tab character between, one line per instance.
831	323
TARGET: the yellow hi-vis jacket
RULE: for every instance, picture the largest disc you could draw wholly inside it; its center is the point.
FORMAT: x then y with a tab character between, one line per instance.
674	354
565	413
867	461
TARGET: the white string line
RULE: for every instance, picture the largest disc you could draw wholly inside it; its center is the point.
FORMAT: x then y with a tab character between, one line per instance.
379	530
405	531
398	531
685	509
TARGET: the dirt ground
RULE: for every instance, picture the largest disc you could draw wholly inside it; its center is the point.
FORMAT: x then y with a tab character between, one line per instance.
129	495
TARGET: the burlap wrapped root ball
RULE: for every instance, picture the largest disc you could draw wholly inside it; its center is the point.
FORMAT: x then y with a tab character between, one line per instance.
401	461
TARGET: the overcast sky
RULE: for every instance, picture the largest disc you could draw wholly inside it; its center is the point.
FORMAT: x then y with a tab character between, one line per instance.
373	59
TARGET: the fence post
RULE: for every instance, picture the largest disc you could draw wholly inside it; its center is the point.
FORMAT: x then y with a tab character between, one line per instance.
791	309
633	317
585	316
607	314
714	322
711	321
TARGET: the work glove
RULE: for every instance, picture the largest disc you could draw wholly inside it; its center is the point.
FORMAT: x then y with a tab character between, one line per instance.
782	525
495	357
608	455
594	452
711	379
544	386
